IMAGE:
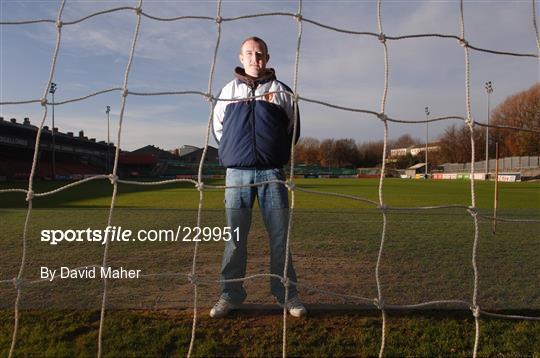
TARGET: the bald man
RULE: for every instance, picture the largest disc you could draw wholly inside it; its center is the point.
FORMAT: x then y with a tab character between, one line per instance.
255	138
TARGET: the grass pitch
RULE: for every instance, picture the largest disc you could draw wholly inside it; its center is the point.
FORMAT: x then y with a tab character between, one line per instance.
335	243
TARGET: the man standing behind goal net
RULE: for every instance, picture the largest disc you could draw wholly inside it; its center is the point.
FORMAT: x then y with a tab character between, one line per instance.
254	137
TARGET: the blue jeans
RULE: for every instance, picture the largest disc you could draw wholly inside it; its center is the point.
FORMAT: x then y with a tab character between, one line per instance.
274	206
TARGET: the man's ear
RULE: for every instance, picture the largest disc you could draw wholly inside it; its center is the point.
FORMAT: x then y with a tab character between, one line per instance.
267	57
240	57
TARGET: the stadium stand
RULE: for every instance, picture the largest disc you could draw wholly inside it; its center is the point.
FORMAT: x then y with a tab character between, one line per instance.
75	156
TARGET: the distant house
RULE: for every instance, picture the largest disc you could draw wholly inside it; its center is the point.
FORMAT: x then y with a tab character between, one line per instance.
431	148
187	149
190	154
158	153
399	152
416	170
178	162
187	154
414	150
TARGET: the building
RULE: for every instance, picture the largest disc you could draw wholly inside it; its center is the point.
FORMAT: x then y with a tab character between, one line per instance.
73	156
194	154
181	162
414	150
156	152
416	171
76	157
185	154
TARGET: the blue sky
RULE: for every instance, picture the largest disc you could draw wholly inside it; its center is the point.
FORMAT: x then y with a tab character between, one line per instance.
343	69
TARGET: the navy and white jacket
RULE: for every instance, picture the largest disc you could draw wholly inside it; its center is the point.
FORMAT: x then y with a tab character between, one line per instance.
254	133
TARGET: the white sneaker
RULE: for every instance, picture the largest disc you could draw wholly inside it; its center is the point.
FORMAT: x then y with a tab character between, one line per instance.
222	308
295	307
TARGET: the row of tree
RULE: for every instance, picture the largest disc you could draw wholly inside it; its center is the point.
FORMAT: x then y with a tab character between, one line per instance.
346	152
521	110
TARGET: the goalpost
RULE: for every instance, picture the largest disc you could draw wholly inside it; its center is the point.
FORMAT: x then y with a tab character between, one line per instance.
384	39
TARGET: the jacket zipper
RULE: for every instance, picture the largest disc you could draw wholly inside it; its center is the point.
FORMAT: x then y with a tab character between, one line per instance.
253	123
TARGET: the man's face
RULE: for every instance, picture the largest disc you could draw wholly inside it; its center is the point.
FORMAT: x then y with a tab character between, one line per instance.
253	57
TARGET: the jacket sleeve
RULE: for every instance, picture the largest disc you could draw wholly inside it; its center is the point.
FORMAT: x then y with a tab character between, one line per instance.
217	119
289	108
297	123
287	103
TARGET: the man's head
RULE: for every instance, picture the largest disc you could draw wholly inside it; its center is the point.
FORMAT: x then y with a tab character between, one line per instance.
254	56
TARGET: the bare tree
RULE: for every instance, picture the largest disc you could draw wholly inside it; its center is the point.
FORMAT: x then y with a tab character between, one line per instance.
520	110
371	153
405	141
307	151
455	145
346	153
327	151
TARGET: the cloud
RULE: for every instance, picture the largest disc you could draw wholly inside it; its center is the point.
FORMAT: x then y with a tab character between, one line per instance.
343	69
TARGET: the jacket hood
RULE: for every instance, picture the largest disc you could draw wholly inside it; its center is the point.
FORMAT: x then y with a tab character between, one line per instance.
251	81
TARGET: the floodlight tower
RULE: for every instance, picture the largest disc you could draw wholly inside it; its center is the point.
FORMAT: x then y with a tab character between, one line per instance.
489	90
427	136
108	110
52	90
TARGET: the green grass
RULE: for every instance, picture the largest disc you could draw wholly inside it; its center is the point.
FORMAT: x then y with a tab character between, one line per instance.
397	192
152	334
335	242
